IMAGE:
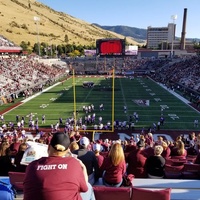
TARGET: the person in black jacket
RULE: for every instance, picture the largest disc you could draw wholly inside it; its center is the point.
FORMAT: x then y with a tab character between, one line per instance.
155	164
89	160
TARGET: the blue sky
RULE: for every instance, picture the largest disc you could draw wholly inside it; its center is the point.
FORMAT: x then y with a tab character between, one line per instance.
133	13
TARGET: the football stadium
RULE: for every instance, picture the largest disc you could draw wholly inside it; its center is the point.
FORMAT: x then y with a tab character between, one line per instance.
111	105
112	123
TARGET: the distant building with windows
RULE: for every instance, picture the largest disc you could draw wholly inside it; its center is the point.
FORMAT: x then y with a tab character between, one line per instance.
160	37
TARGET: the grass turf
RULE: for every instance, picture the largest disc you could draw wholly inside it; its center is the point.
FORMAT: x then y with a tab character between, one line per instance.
59	102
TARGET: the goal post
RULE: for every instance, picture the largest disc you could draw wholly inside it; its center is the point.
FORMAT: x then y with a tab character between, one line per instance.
112	101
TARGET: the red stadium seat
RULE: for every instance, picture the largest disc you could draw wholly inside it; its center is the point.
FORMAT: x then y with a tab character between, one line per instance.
191	158
175	162
191	171
17	179
158	194
173	172
112	193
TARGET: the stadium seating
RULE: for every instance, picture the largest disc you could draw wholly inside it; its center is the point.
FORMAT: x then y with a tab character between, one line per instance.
175	162
191	158
173	172
102	193
130	193
16	179
161	194
191	171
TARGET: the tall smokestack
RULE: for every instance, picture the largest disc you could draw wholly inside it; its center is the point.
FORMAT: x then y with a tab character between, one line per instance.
183	30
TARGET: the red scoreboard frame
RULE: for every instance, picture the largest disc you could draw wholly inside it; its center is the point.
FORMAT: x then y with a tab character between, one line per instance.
110	47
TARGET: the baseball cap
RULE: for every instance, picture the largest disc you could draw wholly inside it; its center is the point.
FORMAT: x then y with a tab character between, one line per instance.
96	147
60	141
84	141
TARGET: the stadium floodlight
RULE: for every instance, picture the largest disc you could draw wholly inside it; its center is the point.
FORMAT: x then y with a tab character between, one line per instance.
37	19
173	17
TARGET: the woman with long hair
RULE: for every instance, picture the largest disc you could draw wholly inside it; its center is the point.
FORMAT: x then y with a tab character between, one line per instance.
114	166
179	149
5	159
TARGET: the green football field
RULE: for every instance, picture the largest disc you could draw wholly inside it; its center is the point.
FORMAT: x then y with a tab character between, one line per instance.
140	95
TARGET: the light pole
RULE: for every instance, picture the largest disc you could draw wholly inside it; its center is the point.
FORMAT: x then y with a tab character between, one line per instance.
37	19
173	17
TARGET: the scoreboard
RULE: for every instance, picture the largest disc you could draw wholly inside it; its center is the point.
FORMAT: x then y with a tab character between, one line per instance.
115	47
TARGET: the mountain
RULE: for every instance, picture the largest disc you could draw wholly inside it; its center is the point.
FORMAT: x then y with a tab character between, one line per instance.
18	24
138	34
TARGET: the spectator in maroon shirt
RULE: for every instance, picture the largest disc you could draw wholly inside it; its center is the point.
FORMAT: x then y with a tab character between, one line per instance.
106	145
20	168
130	146
179	150
97	149
114	166
14	147
136	161
166	150
58	176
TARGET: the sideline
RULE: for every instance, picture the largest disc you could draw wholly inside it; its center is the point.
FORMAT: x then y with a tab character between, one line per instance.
175	94
179	97
39	93
29	98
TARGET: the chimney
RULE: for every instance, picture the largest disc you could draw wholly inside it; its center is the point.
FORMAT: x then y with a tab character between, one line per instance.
182	46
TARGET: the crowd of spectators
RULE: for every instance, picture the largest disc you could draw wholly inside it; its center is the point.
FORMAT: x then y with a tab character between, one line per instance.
21	74
5	42
186	73
122	65
181	71
25	74
142	154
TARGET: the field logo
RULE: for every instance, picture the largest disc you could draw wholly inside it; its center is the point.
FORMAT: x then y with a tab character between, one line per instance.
141	102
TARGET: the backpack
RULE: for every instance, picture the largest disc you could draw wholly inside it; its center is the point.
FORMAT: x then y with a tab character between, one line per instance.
6	191
127	180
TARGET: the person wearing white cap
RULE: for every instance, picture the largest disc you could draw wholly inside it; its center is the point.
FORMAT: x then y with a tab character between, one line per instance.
89	160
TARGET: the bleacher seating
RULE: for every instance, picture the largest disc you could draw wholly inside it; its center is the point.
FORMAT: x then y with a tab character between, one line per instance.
173	171
130	193
191	171
181	189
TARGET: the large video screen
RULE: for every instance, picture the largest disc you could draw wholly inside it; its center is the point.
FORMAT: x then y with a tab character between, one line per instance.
110	47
